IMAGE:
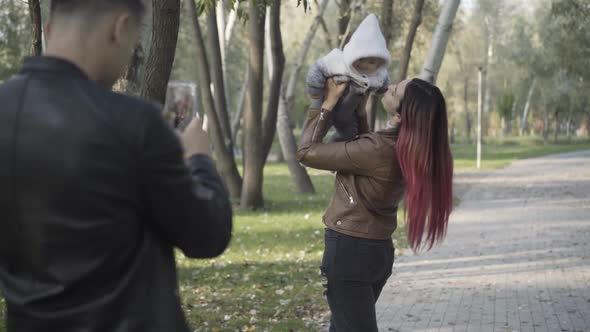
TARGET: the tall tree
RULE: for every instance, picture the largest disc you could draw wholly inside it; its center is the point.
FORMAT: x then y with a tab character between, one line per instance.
36	27
386	23
277	62
440	38
387	19
402	70
224	158
253	163
527	104
159	60
344	9
132	81
286	138
239	110
355	15
217	70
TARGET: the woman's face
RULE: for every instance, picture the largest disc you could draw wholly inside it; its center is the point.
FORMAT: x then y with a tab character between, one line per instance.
393	97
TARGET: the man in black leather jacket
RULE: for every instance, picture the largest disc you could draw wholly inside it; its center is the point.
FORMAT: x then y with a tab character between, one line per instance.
95	190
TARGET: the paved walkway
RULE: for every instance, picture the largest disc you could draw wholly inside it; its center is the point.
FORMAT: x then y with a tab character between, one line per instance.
516	258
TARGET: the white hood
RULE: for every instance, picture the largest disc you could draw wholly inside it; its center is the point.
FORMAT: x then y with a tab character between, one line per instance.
366	41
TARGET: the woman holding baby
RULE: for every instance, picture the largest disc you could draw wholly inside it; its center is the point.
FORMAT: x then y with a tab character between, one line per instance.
410	160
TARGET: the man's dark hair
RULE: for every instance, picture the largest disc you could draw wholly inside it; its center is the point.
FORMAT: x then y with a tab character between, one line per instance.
96	7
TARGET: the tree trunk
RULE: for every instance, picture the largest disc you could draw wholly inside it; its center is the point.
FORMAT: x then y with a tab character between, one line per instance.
225	161
386	24
466	108
402	70
239	108
252	128
286	138
555	125
159	60
387	20
220	12
44	18
527	105
220	18
344	8
277	63
216	65
568	124
545	130
356	6
268	49
36	27
231	23
132	81
440	38
327	34
510	119
487	96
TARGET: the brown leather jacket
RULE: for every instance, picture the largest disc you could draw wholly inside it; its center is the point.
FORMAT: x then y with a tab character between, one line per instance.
369	183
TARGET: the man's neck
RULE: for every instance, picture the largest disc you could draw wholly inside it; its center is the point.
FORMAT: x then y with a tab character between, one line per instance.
70	46
86	67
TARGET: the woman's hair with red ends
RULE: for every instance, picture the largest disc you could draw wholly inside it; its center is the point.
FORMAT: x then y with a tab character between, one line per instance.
426	162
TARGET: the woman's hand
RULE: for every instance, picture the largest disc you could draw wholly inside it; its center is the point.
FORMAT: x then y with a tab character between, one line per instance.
333	93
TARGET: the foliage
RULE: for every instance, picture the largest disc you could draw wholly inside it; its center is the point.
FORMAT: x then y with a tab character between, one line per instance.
543	41
570	19
505	103
15	36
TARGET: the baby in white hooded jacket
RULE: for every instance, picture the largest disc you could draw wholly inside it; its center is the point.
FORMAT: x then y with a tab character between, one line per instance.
363	63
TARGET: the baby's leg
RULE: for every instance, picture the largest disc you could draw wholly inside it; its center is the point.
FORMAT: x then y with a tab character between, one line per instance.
344	116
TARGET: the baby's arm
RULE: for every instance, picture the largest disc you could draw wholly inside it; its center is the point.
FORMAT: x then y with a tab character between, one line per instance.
319	72
316	80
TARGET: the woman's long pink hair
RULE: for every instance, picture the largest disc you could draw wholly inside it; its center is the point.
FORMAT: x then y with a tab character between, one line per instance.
426	162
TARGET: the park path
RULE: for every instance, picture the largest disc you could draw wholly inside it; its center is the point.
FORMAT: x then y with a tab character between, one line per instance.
516	257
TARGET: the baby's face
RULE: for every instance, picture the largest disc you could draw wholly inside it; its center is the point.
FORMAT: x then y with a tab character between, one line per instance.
368	66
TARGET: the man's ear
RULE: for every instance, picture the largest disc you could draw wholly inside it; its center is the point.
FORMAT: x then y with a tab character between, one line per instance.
120	28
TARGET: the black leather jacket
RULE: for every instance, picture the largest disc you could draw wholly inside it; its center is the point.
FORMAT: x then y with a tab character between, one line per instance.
94	196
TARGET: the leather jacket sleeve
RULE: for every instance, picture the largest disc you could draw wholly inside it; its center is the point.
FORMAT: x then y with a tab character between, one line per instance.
359	156
188	205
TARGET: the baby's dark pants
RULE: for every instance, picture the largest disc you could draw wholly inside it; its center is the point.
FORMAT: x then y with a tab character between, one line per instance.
343	117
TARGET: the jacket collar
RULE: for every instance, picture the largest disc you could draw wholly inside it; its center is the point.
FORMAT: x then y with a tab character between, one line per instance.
394	132
53	64
391	130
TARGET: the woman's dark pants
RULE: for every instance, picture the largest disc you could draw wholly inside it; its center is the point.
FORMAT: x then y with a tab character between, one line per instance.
356	270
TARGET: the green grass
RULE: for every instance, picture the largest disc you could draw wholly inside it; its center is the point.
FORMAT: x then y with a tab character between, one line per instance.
268	280
498	153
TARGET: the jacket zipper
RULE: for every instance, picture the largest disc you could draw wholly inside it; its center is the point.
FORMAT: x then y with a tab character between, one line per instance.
315	129
350	199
